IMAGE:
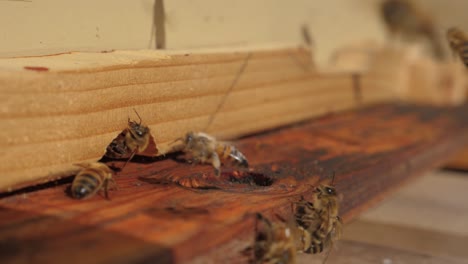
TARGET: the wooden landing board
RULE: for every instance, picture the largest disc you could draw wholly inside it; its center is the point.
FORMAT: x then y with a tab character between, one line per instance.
63	109
372	151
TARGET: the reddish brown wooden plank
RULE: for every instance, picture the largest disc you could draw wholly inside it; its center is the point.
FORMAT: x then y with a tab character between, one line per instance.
372	151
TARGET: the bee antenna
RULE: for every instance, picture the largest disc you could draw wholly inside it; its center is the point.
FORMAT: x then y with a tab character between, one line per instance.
139	117
333	178
233	84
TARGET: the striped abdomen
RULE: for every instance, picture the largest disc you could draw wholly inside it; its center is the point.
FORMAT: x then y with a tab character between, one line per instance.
89	181
232	154
458	42
462	51
318	239
330	230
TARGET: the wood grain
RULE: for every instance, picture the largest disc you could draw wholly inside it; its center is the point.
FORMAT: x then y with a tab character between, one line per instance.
63	109
373	151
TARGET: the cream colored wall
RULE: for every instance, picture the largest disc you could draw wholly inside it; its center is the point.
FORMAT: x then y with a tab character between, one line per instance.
51	26
38	27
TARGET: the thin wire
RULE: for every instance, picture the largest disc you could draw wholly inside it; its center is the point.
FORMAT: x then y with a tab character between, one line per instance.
233	84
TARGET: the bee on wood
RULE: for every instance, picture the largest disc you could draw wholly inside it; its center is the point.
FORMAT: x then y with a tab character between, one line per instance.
318	222
274	243
458	42
132	140
404	18
92	178
203	148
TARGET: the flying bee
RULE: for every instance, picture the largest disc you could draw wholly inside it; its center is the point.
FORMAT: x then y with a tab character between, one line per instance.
274	243
404	18
203	148
319	223
458	42
132	140
92	178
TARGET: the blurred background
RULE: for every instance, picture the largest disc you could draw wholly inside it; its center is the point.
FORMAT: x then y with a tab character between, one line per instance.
52	26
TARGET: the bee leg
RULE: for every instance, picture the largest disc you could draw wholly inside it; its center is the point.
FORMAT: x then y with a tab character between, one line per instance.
114	184
216	162
130	158
106	188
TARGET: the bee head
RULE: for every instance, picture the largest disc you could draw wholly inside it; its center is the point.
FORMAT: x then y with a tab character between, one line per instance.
394	10
326	190
189	137
137	129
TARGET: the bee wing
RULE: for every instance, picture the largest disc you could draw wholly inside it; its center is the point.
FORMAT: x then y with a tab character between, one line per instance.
337	230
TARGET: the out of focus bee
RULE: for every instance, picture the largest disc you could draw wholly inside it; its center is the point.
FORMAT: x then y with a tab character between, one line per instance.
92	178
274	243
203	148
132	140
319	223
409	21
458	42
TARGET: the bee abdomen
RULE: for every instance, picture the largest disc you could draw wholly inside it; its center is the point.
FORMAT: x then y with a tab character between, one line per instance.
231	153
85	185
118	148
463	52
315	247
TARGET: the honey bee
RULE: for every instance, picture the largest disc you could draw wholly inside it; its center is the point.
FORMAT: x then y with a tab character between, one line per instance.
404	18
318	222
132	140
92	178
203	148
458	42
274	243
200	147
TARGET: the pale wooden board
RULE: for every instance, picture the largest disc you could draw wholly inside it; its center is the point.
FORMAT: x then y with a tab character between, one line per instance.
406	71
353	252
436	202
427	217
70	113
423	241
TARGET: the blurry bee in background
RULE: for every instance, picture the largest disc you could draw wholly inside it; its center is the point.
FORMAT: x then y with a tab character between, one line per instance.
92	178
458	42
319	223
404	18
203	148
132	140
274	243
